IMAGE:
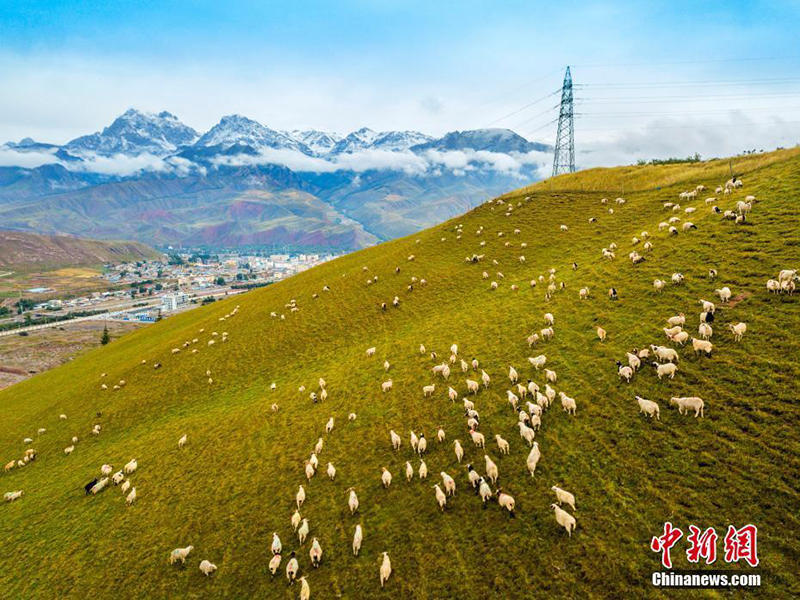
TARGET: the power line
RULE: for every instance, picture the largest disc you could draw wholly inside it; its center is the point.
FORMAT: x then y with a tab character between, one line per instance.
730	82
705	125
698	112
681	98
689	62
519	110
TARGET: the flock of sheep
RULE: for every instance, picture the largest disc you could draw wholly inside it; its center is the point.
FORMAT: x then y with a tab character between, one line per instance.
528	401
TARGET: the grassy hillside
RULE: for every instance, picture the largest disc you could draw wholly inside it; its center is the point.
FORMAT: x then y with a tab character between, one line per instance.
235	481
26	251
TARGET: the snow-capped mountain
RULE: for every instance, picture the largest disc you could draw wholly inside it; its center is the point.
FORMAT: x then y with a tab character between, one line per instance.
320	142
366	138
238	130
136	132
492	140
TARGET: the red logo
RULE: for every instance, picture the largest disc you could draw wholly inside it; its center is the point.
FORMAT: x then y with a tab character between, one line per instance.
665	542
739	544
742	544
703	545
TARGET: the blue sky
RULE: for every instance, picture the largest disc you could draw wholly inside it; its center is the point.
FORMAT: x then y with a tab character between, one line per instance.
69	67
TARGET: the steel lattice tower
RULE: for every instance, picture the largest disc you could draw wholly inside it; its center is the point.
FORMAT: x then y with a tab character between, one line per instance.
564	158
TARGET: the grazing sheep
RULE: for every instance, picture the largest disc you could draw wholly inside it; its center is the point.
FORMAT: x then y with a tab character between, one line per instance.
357	539
491	469
300	497
658	285
569	405
396	441
422	445
485	379
677	278
449	484
130	467
624	372
11	496
182	441
107	469
131	498
441	498
422	472
352	501
386	477
117	478
68	450
668	369
538	361
724	294
533	458
566	520
370	352
329	425
502	444
680	338
302	533
506	501
705	331
315	553
126	485
331	471
274	564
386	385
477	438
291	568
564	497
428	390
738	330
513	375
664	353
692	402
386	564
649	408
180	554
440	435
701	346
634	362
601	333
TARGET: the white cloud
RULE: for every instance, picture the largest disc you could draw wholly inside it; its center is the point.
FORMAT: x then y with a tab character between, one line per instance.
29	160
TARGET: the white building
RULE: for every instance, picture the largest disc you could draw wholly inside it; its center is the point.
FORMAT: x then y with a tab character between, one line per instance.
174	301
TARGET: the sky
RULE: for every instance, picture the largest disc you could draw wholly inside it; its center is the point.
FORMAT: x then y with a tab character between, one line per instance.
653	79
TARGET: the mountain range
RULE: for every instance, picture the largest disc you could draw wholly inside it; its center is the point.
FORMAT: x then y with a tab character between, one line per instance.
151	178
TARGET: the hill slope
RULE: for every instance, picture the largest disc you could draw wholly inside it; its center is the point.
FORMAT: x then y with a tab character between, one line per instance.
235	481
20	250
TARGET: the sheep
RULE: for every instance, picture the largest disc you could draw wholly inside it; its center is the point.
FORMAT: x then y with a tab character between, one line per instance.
506	501
669	332
533	458
386	564
428	390
701	346
583	293
300	497
106	469
666	369
664	353
513	375
526	433
315	553
475	364
563	518
724	294
502	444
787	275
477	439
302	533
679	338
472	386
491	469
68	450
386	386
564	497
708	306
449	484
658	285
549	319
692	402
274	564
538	361
352	501
624	372
738	330
292	568
130	467
705	331
422	445
422	472
634	362
601	333
319	446
677	278
126	485
396	441
458	449
414	440
351	417
493	285
485	379
569	405
679	319
441	498
649	408
117	478
386	365
358	537
180	554
11	496
131	498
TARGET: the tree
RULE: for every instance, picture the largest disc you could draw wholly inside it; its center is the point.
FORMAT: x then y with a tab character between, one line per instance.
220	281
105	338
159	287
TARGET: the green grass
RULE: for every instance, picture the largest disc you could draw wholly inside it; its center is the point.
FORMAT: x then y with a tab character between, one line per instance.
235	482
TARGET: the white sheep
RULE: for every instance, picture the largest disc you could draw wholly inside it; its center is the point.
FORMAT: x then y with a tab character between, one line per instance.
182	441
702	346
352	501
131	498
564	497
315	553
126	485
668	369
422	472
180	554
485	378
292	568
491	469
449	484
131	466
601	333
658	285
386	386
724	294
396	441
386	564
459	450
691	402
538	361
705	331
358	537
738	330
566	520
370	352
329	425
665	353
634	362
533	458
569	405
428	390
274	564
506	501
331	470
300	497
649	408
